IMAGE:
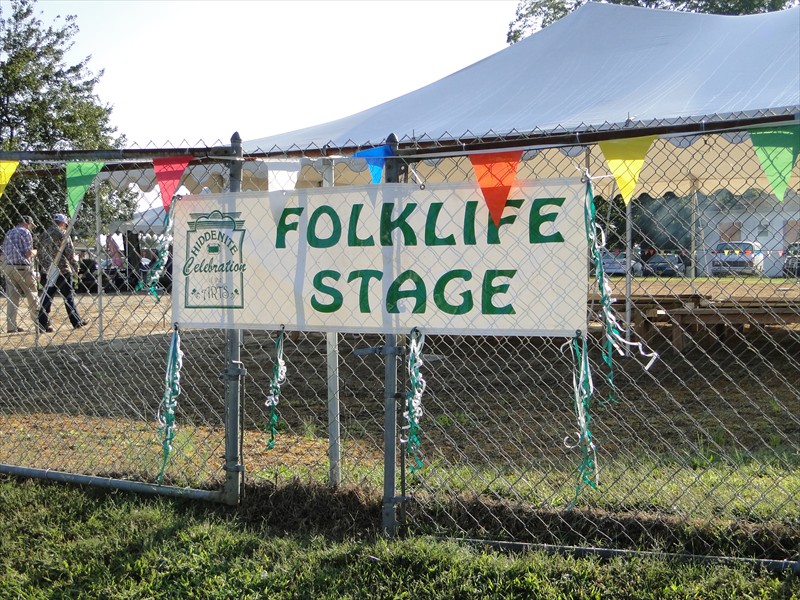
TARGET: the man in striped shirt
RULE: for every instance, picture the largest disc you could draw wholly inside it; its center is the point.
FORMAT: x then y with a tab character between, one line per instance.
19	272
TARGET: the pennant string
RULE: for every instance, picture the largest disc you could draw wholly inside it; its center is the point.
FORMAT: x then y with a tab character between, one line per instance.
278	378
169	401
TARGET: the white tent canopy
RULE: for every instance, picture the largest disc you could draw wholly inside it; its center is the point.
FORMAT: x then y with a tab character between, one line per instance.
604	66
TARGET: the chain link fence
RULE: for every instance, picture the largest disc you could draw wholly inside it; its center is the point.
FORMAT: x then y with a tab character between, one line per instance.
699	454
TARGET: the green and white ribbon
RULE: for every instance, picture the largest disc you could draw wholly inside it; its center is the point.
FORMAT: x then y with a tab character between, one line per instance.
413	411
169	401
614	340
583	386
162	253
583	389
278	377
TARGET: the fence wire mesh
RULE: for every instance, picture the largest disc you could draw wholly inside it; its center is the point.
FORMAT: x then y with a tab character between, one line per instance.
699	454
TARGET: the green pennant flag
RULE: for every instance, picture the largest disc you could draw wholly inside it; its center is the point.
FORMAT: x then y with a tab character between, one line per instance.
79	178
777	149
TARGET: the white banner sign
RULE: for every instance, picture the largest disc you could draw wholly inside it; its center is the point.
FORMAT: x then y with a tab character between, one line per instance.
384	259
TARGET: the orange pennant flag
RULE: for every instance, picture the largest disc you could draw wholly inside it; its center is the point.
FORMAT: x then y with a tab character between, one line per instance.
169	170
496	174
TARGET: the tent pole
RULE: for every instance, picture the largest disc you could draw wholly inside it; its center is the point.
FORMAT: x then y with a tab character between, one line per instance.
693	237
628	272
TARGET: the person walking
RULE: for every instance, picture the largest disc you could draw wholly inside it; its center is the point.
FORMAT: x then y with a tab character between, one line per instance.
59	276
19	272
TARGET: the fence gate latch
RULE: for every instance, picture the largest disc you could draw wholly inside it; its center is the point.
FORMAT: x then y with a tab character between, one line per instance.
233	371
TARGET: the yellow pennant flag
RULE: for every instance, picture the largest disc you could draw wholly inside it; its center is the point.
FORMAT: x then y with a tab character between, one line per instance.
625	159
7	168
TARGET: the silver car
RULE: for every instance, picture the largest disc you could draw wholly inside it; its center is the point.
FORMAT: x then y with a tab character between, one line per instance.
617	264
737	258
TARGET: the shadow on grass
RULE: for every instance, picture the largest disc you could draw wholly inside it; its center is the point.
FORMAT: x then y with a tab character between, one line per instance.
345	513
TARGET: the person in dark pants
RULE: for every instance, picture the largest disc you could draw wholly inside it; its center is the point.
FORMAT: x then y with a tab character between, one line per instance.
59	276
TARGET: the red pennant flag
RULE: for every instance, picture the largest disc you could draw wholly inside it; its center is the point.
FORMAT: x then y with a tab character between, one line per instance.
496	174
169	171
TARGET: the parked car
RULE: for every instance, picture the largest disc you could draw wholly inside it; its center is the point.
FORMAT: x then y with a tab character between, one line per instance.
617	264
665	265
737	258
791	260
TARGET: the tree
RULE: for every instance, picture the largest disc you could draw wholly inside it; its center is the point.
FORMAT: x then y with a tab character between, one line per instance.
48	104
532	15
45	103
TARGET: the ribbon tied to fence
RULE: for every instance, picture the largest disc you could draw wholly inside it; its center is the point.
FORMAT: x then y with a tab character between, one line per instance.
169	401
413	410
278	377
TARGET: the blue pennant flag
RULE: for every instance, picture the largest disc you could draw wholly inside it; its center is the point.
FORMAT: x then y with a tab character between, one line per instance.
375	157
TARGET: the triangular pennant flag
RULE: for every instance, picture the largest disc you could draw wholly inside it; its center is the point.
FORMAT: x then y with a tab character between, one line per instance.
79	179
376	158
625	159
777	149
7	168
496	173
169	170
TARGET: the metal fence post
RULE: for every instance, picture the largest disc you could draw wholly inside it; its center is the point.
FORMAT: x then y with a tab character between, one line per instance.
391	175
332	338
234	370
97	226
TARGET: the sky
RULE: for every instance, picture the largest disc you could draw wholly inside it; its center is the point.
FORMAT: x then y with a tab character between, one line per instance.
192	72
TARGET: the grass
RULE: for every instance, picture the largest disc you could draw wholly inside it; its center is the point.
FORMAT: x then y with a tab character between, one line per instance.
59	541
755	488
700	503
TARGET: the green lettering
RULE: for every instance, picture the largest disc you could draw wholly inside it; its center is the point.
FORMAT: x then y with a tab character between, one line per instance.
395	294
336	296
489	290
469	223
388	225
431	239
284	227
363	291
439	296
352	234
336	228
493	235
537	219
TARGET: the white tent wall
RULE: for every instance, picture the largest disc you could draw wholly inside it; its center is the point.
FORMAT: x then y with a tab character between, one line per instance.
603	68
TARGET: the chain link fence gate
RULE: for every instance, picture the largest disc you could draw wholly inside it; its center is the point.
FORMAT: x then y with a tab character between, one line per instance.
697	455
